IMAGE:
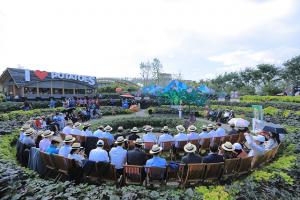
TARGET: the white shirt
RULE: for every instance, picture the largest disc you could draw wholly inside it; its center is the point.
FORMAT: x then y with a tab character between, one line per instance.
220	132
193	136
165	138
87	132
270	144
64	150
67	130
180	137
255	149
99	155
118	157
76	131
44	144
149	137
98	133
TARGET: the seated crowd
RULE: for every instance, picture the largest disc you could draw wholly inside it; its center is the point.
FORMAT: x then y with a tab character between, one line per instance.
118	155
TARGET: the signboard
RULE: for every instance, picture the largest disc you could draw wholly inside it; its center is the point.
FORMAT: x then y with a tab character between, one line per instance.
257	112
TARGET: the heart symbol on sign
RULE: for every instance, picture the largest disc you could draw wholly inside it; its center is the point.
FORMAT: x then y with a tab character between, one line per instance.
41	74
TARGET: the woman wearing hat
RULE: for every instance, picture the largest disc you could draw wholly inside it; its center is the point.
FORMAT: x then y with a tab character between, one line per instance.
191	157
28	137
86	130
46	141
256	143
66	148
76	129
134	135
53	148
166	136
227	150
118	155
192	133
156	161
77	153
149	136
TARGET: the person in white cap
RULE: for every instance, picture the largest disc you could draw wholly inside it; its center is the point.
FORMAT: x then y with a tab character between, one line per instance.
68	128
108	135
238	150
99	154
192	133
46	141
149	136
166	136
118	155
181	136
156	161
76	130
256	143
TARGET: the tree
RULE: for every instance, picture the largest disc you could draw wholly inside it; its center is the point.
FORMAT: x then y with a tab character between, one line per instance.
146	69
291	72
156	70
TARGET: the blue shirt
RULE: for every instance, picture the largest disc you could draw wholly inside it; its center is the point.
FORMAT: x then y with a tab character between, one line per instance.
156	161
109	136
65	150
99	134
52	149
28	141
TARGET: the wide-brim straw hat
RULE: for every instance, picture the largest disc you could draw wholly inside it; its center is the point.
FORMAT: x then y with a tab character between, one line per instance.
204	127
120	140
69	138
120	128
29	132
47	133
108	128
192	128
25	127
100	127
139	141
155	149
227	146
210	126
148	128
190	148
165	128
57	139
180	128
86	125
134	130
77	124
76	145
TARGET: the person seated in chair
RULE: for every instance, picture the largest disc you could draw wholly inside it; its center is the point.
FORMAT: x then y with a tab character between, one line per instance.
53	148
99	133
120	132
77	153
66	148
149	136
220	132
191	157
28	137
166	136
227	150
86	130
213	156
181	136
192	133
238	150
108	135
118	155
137	156
256	143
133	135
99	154
24	128
156	161
272	140
76	130
46	141
232	130
211	131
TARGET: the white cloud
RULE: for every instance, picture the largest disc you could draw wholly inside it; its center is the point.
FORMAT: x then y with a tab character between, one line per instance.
110	38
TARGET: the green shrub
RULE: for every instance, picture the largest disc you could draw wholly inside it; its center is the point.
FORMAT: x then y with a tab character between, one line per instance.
271	98
213	193
8	149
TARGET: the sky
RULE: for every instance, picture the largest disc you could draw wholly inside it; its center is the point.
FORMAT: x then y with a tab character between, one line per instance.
197	38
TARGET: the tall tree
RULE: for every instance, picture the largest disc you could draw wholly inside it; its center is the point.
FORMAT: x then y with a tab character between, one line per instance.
291	72
156	70
146	69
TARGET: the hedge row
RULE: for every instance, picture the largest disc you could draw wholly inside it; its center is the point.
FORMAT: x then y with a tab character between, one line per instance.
249	98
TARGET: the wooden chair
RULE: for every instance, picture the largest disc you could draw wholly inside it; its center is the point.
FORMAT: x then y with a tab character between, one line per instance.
90	171
167	148
258	161
213	171
48	163
175	175
108	173
195	174
244	166
275	151
234	138
133	174
148	145
225	138
230	167
63	166
205	143
268	155
155	175
216	140
242	138
195	142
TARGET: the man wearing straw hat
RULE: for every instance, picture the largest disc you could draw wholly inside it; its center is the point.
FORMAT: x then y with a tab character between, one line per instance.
118	155
165	137
204	133
220	132
24	128
149	136
99	132
137	156
133	135
99	154
191	157
66	148
192	133
211	131
120	132
76	130
53	148
181	136
86	130
68	128
28	137
156	161
108	135
46	141
227	150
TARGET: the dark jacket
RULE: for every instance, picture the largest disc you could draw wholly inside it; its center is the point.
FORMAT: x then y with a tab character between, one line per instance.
232	132
136	157
213	158
133	137
191	158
